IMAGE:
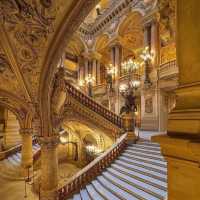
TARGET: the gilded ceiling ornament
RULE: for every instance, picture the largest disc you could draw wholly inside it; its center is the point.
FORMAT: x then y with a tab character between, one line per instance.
28	23
3	63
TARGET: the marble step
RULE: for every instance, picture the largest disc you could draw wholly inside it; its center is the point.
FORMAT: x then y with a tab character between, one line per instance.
131	147
141	170
136	149
147	179
149	166
146	160
106	194
148	143
84	195
141	194
94	195
147	147
145	155
122	194
13	161
143	184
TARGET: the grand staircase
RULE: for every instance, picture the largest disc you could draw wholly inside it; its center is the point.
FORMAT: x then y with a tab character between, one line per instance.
10	167
139	173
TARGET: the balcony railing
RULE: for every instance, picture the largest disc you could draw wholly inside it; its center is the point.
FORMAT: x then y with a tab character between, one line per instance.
83	177
168	69
93	105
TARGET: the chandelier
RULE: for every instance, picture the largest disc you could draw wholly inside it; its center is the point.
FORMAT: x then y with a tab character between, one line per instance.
130	66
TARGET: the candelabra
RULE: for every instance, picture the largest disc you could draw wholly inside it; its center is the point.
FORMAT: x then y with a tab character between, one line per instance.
147	58
89	80
111	74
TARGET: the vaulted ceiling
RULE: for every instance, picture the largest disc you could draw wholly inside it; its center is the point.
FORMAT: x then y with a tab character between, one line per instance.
33	34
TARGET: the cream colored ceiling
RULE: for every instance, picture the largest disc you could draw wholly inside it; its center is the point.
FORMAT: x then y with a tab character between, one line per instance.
103	4
75	46
131	32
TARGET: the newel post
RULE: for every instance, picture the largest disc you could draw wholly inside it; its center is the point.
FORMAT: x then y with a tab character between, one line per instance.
129	127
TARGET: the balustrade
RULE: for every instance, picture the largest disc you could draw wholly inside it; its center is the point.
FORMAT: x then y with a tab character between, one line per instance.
83	177
94	106
168	69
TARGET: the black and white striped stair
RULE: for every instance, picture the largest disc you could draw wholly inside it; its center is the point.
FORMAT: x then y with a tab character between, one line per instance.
139	173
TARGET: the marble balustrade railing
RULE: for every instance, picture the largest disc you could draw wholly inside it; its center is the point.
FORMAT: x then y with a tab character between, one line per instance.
168	69
83	177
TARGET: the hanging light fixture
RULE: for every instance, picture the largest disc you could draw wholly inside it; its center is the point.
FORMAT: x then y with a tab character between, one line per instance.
130	66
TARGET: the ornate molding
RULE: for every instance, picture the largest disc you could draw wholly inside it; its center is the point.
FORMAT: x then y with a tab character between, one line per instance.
26	131
49	142
74	109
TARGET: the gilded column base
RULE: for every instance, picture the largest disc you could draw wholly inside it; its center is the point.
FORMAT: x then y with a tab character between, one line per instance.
131	137
128	124
184	122
185	118
183	157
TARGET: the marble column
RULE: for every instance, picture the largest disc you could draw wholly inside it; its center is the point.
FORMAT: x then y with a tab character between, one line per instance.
49	168
98	72
181	144
81	75
155	42
94	71
27	151
116	58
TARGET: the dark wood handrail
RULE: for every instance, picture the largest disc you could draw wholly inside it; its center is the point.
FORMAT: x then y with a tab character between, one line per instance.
93	105
87	174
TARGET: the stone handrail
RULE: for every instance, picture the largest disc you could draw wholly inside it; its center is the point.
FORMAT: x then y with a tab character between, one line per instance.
168	69
93	105
83	177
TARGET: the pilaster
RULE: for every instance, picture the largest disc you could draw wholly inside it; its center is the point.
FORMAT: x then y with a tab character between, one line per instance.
27	151
49	167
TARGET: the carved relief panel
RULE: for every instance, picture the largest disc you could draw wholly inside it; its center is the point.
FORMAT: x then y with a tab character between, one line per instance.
149	105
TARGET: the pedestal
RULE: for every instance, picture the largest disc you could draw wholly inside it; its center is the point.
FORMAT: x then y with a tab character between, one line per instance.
128	125
49	168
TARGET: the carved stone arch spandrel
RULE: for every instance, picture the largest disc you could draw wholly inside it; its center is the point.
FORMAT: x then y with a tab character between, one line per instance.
71	21
20	108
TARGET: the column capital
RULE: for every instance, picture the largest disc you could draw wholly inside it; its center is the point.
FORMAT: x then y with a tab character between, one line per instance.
49	142
91	55
149	20
26	131
115	43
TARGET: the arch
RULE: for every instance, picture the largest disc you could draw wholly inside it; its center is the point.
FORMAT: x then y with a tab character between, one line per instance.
130	30
76	125
71	21
20	108
76	45
101	42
